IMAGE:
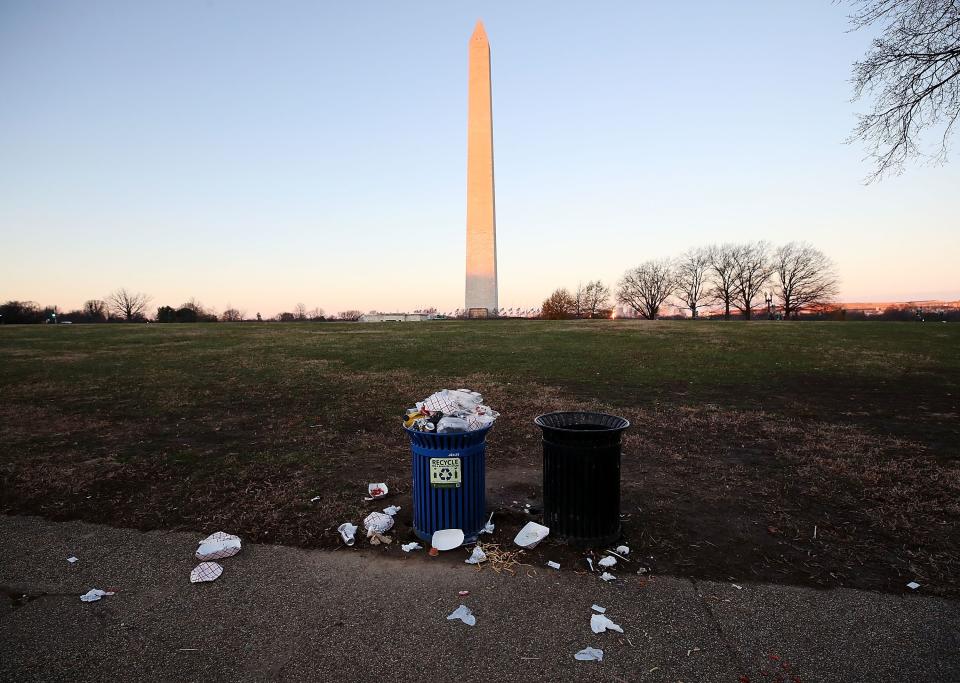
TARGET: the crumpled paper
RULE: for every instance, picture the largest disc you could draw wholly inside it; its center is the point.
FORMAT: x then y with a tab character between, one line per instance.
206	571
607	576
478	556
217	546
94	594
600	623
378	522
607	561
409	547
464	614
589	654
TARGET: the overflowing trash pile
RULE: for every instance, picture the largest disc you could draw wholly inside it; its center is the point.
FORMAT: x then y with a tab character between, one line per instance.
450	411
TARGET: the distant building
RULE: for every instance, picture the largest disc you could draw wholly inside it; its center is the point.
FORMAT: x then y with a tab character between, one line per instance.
393	317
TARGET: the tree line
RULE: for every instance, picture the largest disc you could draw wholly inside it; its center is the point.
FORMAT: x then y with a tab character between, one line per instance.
730	277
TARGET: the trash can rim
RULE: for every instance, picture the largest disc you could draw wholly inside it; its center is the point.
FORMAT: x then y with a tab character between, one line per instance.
471	432
539	421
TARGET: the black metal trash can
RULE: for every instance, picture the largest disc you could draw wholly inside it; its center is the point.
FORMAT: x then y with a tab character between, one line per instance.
581	476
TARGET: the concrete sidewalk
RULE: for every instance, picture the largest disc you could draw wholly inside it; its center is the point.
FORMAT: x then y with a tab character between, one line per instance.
286	613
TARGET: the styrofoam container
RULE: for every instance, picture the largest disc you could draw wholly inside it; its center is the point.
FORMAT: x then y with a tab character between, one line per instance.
531	534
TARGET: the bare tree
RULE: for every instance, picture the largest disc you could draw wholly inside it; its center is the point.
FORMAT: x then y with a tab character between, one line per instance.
315	314
912	73
723	270
300	311
804	277
596	299
232	315
95	310
350	315
579	300
126	304
693	270
752	270
646	287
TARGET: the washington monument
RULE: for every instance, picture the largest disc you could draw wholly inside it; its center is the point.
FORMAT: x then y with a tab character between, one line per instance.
481	299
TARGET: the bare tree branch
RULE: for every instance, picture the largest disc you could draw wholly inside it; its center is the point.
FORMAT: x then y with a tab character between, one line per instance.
646	287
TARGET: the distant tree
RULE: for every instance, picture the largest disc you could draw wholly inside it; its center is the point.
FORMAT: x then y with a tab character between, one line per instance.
300	311
558	306
128	305
316	313
95	310
259	317
287	317
723	269
912	72
752	270
646	287
231	315
166	314
596	298
19	312
185	314
693	279
350	315
803	276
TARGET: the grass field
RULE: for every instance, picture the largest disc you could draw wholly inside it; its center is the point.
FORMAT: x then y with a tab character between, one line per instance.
746	437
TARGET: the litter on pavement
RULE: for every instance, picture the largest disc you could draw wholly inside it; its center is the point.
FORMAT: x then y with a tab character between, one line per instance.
463	594
598	608
377	491
71	560
407	547
478	555
206	571
447	539
489	526
94	594
217	546
590	562
450	412
315	499
553	565
464	614
589	654
348	532
531	534
607	576
607	561
599	623
913	585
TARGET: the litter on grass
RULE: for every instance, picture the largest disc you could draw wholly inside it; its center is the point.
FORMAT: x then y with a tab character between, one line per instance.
553	565
315	499
623	550
377	522
599	623
607	576
447	539
607	561
94	594
598	608
913	585
206	571
71	560
531	534
392	510
348	532
408	547
589	654
478	555
217	546
377	491
464	614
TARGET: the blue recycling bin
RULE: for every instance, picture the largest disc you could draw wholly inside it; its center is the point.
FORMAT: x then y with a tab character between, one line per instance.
449	482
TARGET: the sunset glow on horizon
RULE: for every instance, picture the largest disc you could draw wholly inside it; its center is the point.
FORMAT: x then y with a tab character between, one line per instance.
249	156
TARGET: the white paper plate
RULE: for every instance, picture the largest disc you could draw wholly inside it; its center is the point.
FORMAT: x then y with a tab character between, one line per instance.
447	539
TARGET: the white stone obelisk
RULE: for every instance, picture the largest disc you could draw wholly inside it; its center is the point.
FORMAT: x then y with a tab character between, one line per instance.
481	289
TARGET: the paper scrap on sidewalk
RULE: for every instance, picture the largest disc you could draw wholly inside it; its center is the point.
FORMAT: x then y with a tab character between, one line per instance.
599	623
408	547
217	546
464	614
553	565
598	608
206	571
477	557
531	534
315	499
71	560
94	594
607	576
913	585
489	526
589	654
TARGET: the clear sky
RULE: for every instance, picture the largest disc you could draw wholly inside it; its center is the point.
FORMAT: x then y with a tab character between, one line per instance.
263	154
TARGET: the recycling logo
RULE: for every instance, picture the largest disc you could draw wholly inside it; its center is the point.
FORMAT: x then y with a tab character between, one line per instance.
445	472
